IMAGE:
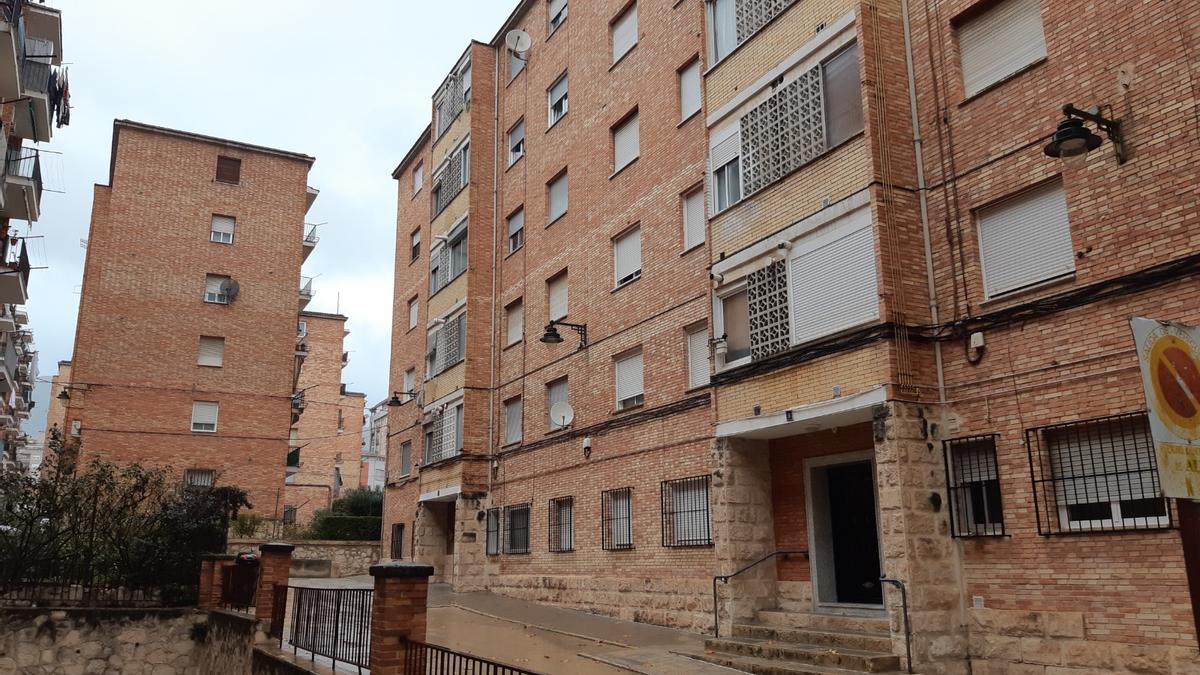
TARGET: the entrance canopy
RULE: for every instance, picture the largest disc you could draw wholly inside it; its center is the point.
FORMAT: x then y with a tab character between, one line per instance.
831	414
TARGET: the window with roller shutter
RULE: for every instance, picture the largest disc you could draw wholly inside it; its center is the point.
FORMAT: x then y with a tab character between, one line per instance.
725	174
627	257
514	322
693	219
213	289
516	230
624	33
689	90
229	170
222	228
630	385
1025	240
556	391
832	280
626	138
556	197
513	411
516	142
1000	41
556	12
557	296
212	352
204	416
697	353
557	100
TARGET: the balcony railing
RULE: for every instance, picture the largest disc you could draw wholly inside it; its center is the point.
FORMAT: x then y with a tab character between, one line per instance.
306	287
26	163
310	236
10	10
14	279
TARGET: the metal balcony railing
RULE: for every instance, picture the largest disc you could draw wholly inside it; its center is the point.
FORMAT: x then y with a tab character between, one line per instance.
26	163
310	236
306	287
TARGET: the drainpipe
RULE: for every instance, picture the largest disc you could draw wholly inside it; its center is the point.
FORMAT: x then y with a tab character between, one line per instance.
495	225
922	197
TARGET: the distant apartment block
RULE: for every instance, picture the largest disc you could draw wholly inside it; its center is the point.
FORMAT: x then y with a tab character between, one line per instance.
373	473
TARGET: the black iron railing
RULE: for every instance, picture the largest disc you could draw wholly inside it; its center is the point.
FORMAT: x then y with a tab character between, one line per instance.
332	622
724	578
239	582
973	481
26	163
685	512
420	657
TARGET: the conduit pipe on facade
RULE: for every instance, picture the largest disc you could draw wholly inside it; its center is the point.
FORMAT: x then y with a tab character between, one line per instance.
922	198
493	339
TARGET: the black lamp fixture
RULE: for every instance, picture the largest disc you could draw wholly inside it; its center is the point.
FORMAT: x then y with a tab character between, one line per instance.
1073	139
395	402
63	395
552	337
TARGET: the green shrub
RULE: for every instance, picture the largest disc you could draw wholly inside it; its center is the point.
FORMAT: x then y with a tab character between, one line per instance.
327	525
246	525
363	501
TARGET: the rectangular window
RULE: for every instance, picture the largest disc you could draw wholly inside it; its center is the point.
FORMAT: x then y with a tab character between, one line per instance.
1025	239
406	458
212	352
516	230
685	512
414	242
516	142
289	514
697	351
413	310
630	381
410	381
1097	475
727	185
723	21
843	97
229	170
216	289
557	100
516	529
557	13
999	42
556	392
418	178
689	90
557	296
973	478
199	477
493	531
204	416
735	327
513	410
832	280
556	197
627	257
397	541
624	33
221	230
561	520
516	63
302	328
626	139
514	322
693	219
616	516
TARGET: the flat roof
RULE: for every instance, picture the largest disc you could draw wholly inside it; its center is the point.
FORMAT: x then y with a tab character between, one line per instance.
324	315
119	124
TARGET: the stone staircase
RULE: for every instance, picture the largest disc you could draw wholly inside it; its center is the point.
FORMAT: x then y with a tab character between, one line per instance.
790	643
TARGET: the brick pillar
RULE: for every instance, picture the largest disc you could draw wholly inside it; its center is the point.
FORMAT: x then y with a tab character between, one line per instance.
397	611
210	579
274	568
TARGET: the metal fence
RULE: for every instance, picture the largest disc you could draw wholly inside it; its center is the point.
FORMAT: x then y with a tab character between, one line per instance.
426	659
331	622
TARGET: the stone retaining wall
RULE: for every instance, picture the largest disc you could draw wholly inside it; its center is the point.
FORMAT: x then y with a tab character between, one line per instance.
1058	643
346	558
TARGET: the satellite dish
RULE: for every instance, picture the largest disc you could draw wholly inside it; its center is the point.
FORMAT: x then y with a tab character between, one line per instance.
229	288
562	413
518	41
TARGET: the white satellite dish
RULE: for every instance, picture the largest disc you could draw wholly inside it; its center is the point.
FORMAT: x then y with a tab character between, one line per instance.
562	413
518	41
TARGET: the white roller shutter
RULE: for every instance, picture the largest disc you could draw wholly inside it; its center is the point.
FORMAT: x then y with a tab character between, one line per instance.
204	415
693	219
832	284
515	323
726	145
1026	239
999	42
697	351
557	292
557	197
626	140
689	90
222	228
513	409
629	377
1105	462
212	351
624	33
556	391
627	256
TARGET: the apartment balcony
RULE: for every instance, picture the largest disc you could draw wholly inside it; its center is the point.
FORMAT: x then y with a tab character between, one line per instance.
9	360
306	291
310	240
22	184
345	359
14	279
8	319
293	461
22	403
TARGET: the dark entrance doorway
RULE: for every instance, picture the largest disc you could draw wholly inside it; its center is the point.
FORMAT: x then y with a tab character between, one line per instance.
853	533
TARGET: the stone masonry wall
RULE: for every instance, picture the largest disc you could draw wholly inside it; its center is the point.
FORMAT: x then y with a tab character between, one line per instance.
347	558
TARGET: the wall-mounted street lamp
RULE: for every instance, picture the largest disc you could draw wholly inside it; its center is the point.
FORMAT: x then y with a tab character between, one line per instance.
551	336
1074	139
395	402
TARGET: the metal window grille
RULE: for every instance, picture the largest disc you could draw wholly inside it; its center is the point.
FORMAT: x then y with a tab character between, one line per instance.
973	478
754	14
493	531
289	515
686	517
616	515
199	477
397	541
516	529
1096	475
561	520
783	133
767	297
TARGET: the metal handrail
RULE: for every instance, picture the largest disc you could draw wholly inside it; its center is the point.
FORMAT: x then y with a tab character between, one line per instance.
422	657
724	578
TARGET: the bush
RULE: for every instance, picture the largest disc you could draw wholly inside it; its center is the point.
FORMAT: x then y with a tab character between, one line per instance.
246	525
363	501
327	525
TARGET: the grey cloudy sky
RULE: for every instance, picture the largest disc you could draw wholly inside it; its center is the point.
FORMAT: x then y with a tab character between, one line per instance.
349	83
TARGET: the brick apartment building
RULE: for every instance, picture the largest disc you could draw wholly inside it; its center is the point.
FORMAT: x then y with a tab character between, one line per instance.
186	348
327	442
373	467
32	85
838	300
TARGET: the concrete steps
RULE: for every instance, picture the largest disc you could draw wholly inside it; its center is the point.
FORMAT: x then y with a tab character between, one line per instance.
865	641
789	643
760	666
863	623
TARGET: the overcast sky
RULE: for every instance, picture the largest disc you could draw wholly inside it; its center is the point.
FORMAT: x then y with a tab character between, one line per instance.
348	83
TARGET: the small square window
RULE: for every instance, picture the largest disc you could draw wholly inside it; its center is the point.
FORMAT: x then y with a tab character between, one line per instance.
289	514
204	416
221	230
1025	239
1000	41
218	289
229	170
212	352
